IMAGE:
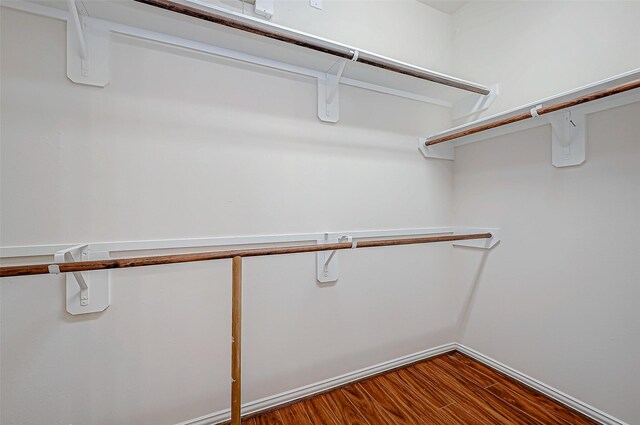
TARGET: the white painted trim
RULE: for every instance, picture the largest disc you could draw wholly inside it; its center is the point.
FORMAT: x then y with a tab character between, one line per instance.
274	401
308	390
545	389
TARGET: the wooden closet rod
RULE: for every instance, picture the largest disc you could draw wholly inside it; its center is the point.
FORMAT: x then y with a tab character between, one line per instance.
541	111
346	52
84	266
236	293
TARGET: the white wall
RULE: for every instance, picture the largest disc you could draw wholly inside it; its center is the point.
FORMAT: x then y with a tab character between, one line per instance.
231	150
404	30
536	49
179	145
557	299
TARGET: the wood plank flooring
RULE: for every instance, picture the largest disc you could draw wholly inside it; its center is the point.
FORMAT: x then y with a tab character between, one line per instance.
448	389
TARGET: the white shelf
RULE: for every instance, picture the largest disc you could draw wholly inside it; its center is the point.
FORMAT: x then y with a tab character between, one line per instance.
102	20
167	246
89	292
599	105
445	150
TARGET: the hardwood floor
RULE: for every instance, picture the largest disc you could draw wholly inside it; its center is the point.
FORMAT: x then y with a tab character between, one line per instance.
448	389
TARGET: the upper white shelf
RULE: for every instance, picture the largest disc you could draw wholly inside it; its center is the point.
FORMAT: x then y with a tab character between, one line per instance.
100	20
137	13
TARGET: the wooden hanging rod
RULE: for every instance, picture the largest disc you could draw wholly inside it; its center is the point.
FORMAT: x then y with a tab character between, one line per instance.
313	43
236	299
84	266
541	111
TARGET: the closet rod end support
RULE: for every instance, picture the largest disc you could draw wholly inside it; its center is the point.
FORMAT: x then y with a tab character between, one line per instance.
440	151
479	243
327	265
86	292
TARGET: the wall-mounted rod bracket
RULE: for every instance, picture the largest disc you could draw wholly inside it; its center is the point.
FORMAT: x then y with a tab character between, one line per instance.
87	49
87	292
568	138
327	265
74	23
333	87
329	92
66	256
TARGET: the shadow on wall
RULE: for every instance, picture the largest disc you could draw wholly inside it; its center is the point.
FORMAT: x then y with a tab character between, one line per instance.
268	105
290	380
467	306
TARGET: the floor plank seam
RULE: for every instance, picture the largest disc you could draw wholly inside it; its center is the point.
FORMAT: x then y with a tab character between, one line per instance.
447	405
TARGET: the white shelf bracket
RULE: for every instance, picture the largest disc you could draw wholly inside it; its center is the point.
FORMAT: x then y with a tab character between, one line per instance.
474	103
329	94
568	138
327	265
333	88
264	8
329	91
87	50
87	292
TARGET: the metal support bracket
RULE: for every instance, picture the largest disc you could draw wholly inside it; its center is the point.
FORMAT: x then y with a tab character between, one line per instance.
87	50
87	292
329	92
478	243
327	265
568	138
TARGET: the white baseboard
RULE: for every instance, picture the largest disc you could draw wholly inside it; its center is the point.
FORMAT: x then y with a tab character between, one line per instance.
271	402
308	390
545	389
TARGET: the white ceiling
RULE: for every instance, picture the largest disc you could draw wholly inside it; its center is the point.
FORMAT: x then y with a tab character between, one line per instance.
446	6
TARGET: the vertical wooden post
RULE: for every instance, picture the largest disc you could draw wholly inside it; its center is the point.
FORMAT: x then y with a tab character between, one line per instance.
236	334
